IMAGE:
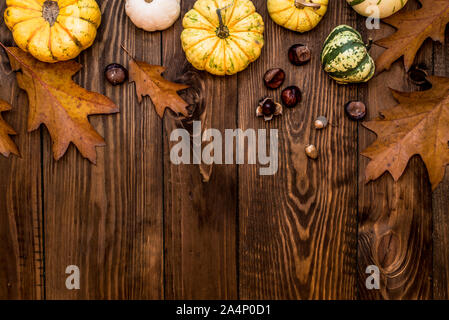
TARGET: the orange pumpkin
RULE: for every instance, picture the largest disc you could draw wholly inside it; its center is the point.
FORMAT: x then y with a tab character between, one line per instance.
53	30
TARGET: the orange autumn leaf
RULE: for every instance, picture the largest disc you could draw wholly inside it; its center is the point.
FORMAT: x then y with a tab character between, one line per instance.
56	101
7	146
163	93
418	125
413	28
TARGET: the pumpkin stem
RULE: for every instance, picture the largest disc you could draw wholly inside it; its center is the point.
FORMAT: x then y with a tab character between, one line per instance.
222	30
50	11
301	4
369	44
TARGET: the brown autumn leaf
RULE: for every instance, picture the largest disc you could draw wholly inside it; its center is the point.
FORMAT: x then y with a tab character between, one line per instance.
163	93
418	125
59	103
413	28
7	146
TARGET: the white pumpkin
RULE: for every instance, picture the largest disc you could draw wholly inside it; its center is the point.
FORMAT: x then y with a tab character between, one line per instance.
153	15
369	8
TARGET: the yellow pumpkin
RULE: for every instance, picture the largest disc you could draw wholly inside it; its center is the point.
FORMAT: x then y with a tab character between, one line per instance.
297	15
377	9
53	30
222	36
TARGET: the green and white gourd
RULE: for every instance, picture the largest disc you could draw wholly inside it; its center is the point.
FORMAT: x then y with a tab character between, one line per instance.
382	8
345	56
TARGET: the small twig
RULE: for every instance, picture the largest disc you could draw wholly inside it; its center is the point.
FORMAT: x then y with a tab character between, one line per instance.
127	52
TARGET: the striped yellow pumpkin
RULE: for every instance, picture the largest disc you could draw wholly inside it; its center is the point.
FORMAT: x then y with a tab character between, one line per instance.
384	8
53	30
222	36
297	15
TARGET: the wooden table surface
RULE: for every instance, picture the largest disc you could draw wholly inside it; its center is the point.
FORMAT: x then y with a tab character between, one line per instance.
140	227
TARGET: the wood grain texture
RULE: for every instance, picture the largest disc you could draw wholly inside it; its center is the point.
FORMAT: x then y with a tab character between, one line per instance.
200	217
21	252
298	228
440	199
107	219
395	218
140	227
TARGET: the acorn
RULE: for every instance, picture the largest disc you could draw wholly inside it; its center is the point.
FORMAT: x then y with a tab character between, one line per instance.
116	74
268	108
321	123
311	151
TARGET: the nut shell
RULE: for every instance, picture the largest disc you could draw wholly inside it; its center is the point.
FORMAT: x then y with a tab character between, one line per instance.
321	123
311	151
268	108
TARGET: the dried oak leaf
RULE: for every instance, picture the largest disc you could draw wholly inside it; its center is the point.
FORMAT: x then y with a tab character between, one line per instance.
59	103
163	93
413	27
418	125
7	146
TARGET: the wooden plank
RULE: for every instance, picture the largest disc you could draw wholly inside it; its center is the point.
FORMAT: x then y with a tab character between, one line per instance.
107	219
395	219
21	253
200	217
440	200
298	228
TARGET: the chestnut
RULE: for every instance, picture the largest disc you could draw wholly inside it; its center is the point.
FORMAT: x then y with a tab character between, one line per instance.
355	110
291	96
268	108
299	54
116	74
274	78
